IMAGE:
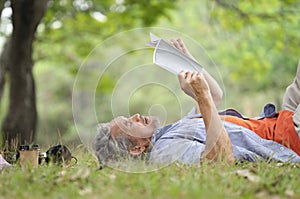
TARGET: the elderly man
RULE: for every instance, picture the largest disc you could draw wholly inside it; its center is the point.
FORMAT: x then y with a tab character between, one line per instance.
206	133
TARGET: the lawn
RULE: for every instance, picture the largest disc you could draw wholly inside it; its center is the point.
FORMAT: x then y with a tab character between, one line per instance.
84	180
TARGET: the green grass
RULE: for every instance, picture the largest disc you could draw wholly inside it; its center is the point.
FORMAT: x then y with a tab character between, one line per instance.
84	180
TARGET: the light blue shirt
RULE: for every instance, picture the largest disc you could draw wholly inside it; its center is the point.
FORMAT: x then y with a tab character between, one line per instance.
184	141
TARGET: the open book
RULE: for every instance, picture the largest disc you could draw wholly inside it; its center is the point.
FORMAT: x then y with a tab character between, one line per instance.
170	58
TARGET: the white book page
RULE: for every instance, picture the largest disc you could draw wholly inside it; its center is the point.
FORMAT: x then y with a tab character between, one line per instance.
170	58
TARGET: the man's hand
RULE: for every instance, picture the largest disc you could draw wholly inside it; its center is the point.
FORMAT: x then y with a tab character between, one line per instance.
178	43
215	89
193	84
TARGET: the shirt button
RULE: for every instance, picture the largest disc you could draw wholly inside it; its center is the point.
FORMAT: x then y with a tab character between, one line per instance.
281	148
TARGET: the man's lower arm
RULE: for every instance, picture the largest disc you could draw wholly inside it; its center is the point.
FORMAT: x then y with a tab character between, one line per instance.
218	145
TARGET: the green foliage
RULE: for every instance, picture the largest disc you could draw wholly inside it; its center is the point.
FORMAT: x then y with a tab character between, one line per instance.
264	43
68	33
74	27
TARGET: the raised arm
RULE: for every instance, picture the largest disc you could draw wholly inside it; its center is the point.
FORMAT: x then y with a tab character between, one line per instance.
215	90
218	145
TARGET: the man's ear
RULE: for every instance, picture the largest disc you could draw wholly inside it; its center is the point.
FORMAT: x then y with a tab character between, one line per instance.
137	150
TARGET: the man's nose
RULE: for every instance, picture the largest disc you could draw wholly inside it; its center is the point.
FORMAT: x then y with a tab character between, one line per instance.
136	117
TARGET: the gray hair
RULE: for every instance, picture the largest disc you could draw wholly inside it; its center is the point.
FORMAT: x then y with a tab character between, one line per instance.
107	148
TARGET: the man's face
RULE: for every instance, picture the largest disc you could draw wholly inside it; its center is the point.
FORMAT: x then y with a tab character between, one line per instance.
136	127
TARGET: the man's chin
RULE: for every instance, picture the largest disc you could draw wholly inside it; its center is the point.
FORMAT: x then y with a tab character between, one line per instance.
155	122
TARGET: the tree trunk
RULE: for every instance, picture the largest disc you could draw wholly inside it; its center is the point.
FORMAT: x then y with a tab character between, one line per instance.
2	65
19	124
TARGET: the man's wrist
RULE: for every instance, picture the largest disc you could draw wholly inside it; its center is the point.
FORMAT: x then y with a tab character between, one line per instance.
203	97
203	94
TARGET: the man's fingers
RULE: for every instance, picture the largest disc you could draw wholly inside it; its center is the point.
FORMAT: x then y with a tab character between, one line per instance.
180	42
172	41
188	75
182	74
176	43
194	76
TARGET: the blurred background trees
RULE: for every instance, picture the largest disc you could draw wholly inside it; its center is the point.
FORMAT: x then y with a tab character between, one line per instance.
254	45
73	24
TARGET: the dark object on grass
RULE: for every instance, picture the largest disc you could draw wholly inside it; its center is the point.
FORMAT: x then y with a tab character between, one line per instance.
59	154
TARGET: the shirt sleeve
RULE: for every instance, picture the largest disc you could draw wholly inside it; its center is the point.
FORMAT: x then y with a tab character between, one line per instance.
179	149
291	98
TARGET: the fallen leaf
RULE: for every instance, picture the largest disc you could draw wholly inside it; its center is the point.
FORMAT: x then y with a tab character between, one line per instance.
112	176
248	175
85	191
81	174
280	164
262	194
296	165
289	193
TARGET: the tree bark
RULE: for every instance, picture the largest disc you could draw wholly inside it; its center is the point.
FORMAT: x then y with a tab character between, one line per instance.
2	65
19	125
